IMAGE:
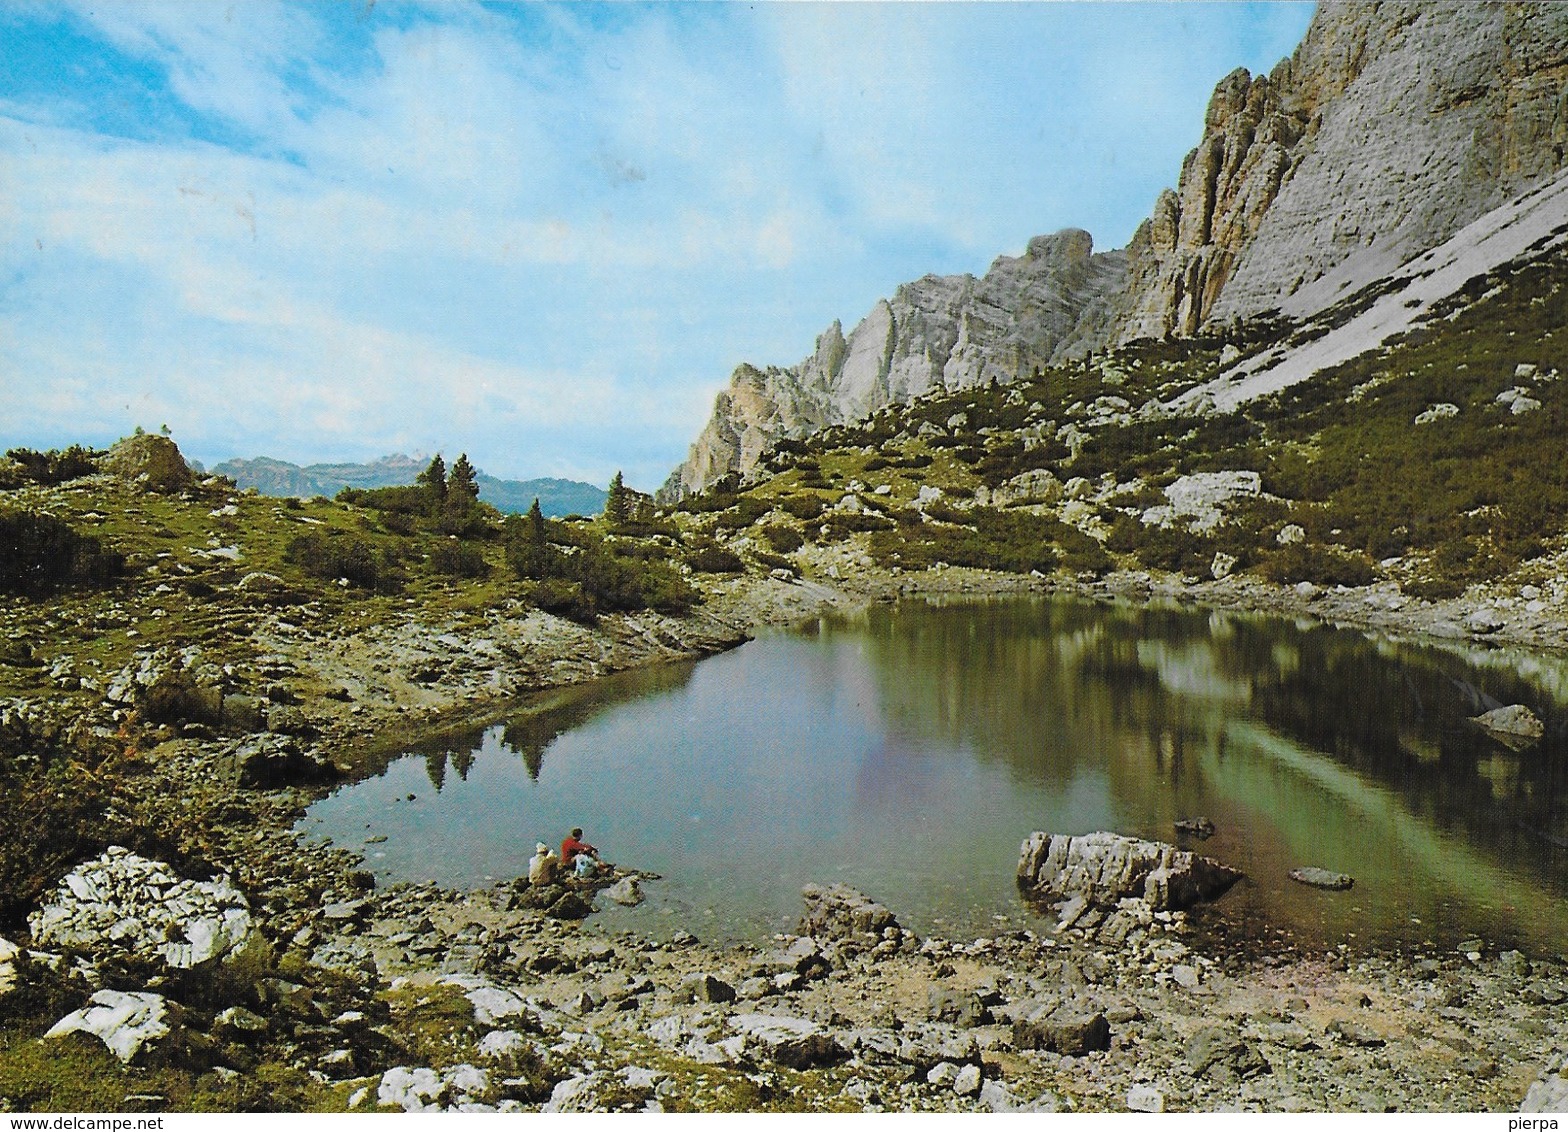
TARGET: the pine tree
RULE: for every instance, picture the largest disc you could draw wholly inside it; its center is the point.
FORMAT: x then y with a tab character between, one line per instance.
529	551
615	503
462	485
433	479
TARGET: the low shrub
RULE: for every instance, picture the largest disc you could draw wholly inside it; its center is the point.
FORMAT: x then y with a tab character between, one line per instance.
458	560
803	507
334	556
714	559
1326	566
563	599
840	525
783	540
40	553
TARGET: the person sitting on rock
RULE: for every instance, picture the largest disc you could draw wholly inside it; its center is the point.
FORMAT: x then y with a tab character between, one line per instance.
541	866
578	855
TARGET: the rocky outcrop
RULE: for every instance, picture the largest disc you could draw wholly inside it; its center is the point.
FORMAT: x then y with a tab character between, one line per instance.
1390	128
154	462
939	332
1104	868
126	903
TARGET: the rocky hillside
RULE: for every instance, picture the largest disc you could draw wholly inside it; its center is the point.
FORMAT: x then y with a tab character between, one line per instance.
557	497
1391	128
1417	471
938	333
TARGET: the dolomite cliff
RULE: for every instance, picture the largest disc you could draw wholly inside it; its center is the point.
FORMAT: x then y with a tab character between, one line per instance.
940	332
1390	128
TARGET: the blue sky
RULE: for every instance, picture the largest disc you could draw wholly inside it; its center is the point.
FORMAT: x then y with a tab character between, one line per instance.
541	234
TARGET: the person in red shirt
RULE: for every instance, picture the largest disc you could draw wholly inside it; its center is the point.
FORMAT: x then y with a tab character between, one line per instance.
578	855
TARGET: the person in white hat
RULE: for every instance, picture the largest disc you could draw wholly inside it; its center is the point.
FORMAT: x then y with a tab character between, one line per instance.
542	865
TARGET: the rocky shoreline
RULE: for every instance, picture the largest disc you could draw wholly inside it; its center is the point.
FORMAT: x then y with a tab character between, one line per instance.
1138	1009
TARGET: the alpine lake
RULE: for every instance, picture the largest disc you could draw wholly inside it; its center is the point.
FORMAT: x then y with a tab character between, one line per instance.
910	751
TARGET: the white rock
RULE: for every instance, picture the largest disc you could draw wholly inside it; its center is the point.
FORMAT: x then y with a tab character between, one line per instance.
1145	1098
502	1043
1437	413
412	1090
9	953
997	1097
494	1004
667	1031
125	1021
942	1075
1290	534
625	891
142	906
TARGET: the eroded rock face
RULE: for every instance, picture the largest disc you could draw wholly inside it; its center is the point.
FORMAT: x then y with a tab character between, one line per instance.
124	902
1390	128
939	332
1103	868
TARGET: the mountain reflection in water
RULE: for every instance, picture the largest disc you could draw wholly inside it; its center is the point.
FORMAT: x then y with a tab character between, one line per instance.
910	751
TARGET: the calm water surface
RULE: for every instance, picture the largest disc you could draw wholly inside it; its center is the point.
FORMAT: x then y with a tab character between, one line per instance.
910	752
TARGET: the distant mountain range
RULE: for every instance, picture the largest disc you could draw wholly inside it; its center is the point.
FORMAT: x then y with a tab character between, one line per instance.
278	477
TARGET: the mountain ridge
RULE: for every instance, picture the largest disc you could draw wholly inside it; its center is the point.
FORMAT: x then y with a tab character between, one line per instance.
270	476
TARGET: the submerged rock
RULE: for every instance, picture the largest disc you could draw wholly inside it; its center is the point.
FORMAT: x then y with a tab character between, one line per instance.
1322	878
1513	720
1201	828
1102	868
625	891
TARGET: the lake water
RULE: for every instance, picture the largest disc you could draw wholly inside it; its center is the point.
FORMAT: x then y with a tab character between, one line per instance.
910	752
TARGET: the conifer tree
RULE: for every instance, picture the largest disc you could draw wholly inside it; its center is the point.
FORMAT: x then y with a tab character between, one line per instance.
536	534
616	502
433	479
462	485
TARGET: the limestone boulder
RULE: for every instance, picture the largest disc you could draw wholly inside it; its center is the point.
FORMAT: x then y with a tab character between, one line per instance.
840	912
131	1023
1065	1028
268	761
1103	868
795	1043
124	903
